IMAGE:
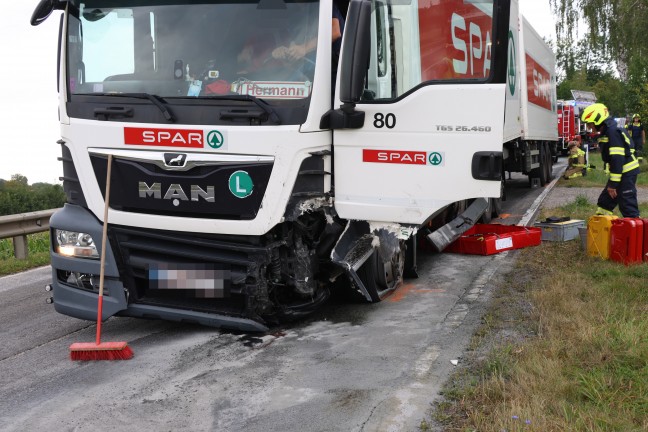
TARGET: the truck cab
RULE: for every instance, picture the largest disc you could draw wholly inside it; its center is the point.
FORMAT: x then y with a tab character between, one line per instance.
250	170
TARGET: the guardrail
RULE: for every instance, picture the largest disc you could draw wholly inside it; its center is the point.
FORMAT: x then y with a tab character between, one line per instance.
19	225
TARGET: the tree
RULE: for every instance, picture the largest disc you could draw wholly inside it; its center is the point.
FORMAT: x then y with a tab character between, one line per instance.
617	31
19	178
17	196
616	28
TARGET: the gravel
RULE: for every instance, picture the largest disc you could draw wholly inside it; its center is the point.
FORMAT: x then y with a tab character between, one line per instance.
559	196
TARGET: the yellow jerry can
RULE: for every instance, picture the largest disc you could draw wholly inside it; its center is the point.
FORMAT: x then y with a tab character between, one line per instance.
598	235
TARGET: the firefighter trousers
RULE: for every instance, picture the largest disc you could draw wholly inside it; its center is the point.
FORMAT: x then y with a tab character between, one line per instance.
626	196
573	173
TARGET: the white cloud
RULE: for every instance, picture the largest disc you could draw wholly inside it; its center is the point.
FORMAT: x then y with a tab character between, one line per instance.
538	13
28	88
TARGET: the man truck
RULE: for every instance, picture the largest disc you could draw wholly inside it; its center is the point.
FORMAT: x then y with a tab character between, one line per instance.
252	171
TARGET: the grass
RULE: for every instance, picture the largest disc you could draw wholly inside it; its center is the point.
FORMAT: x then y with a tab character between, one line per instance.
566	347
597	177
38	255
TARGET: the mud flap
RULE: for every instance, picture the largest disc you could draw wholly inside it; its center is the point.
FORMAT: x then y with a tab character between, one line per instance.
451	231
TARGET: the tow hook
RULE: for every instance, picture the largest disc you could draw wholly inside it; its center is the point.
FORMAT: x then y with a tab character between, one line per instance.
49	288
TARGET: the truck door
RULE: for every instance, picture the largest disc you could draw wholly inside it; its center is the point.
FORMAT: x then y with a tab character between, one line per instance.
432	97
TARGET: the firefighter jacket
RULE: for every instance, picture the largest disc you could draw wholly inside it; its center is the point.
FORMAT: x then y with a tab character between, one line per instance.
636	133
617	151
576	157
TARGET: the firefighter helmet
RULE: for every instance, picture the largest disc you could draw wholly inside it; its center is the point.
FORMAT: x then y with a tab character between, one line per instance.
595	113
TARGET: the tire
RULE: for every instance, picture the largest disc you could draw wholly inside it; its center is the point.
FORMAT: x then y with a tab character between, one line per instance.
382	277
549	163
541	171
497	202
487	217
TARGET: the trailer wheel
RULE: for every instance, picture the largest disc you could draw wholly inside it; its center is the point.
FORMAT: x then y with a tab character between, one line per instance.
549	163
541	171
382	277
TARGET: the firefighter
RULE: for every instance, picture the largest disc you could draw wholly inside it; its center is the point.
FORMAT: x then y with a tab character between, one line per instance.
616	152
576	164
638	135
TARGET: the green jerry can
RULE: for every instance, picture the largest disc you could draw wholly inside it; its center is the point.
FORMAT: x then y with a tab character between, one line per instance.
598	235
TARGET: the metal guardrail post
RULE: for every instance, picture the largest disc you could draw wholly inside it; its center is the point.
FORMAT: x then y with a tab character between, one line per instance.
20	247
19	225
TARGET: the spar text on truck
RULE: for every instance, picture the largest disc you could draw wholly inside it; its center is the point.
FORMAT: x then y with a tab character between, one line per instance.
246	183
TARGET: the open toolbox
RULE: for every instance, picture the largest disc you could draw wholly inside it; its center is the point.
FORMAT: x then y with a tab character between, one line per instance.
488	239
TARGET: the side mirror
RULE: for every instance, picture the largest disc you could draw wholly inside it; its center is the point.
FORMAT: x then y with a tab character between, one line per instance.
356	50
43	10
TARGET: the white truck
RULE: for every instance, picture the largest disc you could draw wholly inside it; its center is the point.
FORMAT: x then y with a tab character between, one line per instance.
247	183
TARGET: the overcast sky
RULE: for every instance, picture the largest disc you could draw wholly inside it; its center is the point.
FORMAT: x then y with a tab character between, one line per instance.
28	86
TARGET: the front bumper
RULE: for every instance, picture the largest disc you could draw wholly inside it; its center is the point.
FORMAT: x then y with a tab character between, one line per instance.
81	302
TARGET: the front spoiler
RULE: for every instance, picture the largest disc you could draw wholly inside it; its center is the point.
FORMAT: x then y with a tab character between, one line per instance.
80	303
83	304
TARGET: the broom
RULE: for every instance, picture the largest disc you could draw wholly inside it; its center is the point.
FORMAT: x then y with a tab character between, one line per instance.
102	350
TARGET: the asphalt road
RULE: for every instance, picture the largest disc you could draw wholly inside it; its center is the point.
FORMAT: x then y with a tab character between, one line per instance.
349	367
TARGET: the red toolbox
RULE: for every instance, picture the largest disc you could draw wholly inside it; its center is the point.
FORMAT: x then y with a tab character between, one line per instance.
488	239
626	240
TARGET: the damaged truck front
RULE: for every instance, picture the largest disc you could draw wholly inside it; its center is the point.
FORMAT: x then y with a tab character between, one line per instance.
250	169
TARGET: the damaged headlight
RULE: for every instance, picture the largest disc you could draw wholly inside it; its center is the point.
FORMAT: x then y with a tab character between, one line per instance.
75	244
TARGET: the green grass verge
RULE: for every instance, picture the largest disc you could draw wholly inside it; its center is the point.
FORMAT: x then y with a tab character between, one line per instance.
38	255
597	177
564	347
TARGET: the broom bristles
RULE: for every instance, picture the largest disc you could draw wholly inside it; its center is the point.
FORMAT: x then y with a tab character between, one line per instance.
88	351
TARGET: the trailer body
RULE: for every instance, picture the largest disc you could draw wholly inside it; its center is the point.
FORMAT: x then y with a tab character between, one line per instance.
531	138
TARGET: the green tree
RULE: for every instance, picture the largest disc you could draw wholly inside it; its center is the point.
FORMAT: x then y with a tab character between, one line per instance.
617	32
17	196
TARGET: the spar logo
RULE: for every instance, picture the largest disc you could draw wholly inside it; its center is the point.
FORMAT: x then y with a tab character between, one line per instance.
539	85
403	157
186	138
512	65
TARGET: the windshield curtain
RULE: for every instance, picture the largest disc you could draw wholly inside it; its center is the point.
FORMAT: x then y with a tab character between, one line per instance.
261	48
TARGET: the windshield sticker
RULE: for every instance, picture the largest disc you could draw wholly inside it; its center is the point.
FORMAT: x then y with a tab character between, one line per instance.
194	88
273	89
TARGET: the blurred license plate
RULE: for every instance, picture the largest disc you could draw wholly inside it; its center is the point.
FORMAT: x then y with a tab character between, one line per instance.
197	280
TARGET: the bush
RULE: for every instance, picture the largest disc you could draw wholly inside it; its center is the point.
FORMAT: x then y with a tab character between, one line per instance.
17	196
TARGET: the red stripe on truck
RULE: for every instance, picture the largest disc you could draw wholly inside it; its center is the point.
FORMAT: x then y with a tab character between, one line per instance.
456	40
539	88
186	138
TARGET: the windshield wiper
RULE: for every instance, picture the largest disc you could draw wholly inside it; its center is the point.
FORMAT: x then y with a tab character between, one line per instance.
267	109
158	101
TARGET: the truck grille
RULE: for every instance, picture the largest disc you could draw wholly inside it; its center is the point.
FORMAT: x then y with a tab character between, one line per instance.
138	249
207	191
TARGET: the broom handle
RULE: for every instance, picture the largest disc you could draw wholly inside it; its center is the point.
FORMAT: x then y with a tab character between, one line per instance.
102	265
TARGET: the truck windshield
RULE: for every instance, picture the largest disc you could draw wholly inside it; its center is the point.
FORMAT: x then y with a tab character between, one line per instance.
262	48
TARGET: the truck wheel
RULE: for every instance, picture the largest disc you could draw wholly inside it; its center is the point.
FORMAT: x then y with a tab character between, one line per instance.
487	217
549	164
541	171
382	277
497	202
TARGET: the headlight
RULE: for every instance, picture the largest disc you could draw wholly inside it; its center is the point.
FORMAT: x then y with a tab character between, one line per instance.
75	244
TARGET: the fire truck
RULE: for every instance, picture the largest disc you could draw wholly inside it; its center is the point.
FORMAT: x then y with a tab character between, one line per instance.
253	172
569	123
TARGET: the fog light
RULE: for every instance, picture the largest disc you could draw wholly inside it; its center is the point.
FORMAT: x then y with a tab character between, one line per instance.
75	244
